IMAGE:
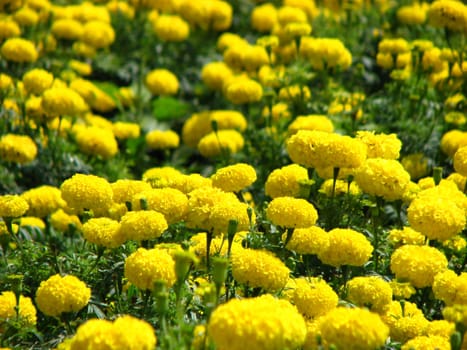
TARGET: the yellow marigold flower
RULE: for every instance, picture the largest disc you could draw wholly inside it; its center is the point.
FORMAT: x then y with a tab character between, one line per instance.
311	122
402	290
146	266
67	28
124	189
309	240
456	313
161	176
406	235
319	149
222	213
346	247
60	101
353	329
245	91
19	149
456	243
254	57
385	178
162	82
62	221
215	143
126	130
214	74
452	140
26	309
297	29
87	192
381	145
12	206
103	232
314	297
416	165
308	6
450	287
98	34
171	28
58	294
405	321
142	225
158	139
227	39
291	14
170	202
417	264
278	324
423	342
6	83
9	28
96	141
234	178
458	179
43	200
372	292
264	18
95	97
259	268
271	76
449	14
436	217
455	117
81	68
126	332
325	53
19	50
227	119
287	181
32	221
291	212
412	14
188	183
441	328
460	160
220	15
329	188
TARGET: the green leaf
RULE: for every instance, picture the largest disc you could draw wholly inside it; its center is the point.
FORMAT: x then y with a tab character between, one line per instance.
169	108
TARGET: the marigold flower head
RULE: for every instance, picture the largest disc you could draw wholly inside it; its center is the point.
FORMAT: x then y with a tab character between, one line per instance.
126	332
385	178
325	53
453	140
19	50
311	122
146	266
142	225
9	28
103	232
60	101
234	178
12	206
353	329
381	145
37	80
19	149
159	177
215	143
264	18
43	200
460	160
162	82
422	342
94	96
314	297
369	291
227	39
254	57
158	139
449	14
412	14
62	221
291	212
417	264
245	91
450	287
406	235
258	323
58	294
402	290
214	74
188	183
259	268
96	141
170	202
286	181
416	165
87	192
441	328
26	309
308	240
125	189
98	34
346	247
171	28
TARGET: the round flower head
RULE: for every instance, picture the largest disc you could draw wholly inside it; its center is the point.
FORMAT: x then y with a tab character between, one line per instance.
19	50
234	178
325	53
124	189
188	183
416	165
161	176
286	181
450	287
319	149
87	192
456	313
309	240
448	14
381	145
311	122
96	141
244	91
222	141
26	309
353	329
385	178
412	14
58	294
162	82
94	96
126	332
221	16
406	235
171	28
146	266
142	225
126	130
222	213
460	160
36	81
259	268
67	28
158	139
453	140
346	247
62	221
170	202
103	232
9	28
43	200
258	323
264	18
227	119
417	264
369	291
314	297
254	57
60	101
423	342
436	217
215	74
12	206
98	34
19	149
291	212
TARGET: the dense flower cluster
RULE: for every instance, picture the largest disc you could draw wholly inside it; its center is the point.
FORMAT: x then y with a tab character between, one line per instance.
291	212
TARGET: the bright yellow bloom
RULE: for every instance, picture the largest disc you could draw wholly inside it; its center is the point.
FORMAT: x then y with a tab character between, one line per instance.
234	178
158	139
36	81
142	225
26	309
171	28
216	143
19	149
372	292
19	50
162	82
314	297
103	232
291	212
